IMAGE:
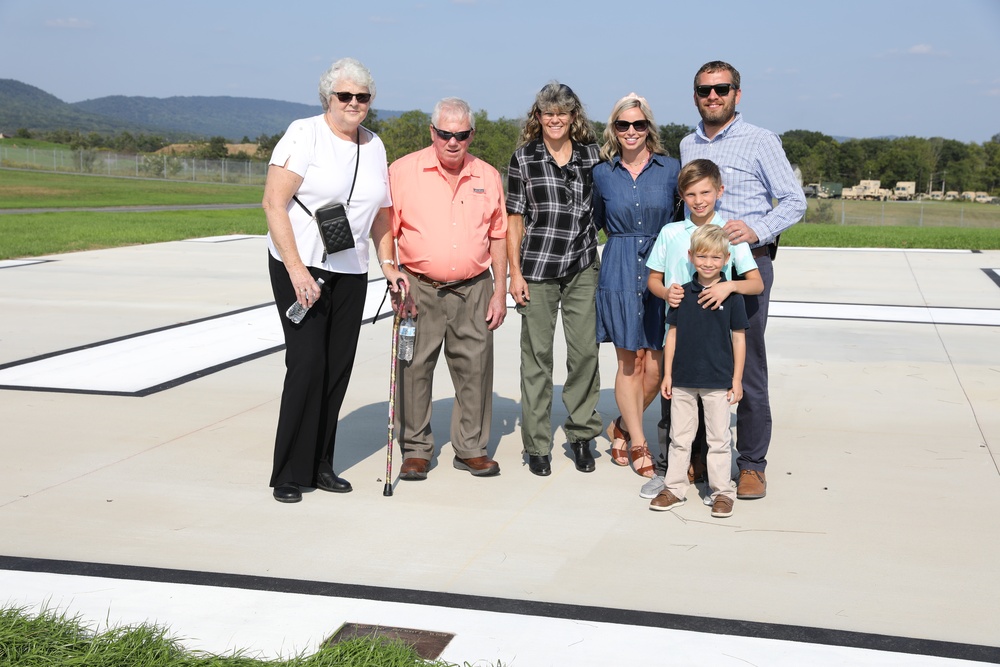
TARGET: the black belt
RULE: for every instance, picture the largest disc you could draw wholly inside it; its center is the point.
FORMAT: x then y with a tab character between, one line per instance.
439	285
761	251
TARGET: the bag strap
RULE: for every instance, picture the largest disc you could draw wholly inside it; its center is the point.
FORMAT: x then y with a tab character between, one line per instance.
353	181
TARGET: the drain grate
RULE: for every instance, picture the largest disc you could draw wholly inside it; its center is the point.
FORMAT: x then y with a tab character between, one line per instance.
428	644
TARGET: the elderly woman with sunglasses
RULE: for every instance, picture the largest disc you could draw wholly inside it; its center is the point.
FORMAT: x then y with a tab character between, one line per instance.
635	195
325	159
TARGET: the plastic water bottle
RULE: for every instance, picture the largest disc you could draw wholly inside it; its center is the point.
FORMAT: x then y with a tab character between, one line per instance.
297	311
407	334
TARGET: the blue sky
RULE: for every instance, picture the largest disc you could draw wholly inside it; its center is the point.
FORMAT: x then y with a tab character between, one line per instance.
850	68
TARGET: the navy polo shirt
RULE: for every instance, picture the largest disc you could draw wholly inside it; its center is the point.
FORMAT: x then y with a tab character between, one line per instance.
703	356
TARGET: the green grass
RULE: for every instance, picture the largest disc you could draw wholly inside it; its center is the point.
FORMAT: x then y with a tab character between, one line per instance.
840	236
33	189
49	639
33	235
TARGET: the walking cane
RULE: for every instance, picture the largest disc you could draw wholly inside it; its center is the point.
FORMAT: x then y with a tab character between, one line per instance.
393	361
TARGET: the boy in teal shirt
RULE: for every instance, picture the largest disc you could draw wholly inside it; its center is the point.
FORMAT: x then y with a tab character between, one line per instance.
700	185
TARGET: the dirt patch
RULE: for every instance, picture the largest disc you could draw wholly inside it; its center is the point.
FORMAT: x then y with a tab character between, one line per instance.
187	149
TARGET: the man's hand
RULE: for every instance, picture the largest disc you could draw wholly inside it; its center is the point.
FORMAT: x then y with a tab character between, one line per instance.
497	310
738	231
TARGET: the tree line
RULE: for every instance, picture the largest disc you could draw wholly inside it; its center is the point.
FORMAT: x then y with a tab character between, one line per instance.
934	164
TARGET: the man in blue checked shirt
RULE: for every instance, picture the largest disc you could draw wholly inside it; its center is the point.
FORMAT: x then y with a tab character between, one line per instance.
755	172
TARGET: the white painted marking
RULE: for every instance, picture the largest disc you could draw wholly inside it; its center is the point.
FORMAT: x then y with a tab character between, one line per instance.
914	314
269	624
137	364
10	263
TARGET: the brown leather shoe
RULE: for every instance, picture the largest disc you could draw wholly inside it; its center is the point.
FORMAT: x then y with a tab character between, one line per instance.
414	469
752	485
480	466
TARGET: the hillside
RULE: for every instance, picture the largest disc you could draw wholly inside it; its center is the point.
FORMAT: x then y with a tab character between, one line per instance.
25	106
230	117
176	118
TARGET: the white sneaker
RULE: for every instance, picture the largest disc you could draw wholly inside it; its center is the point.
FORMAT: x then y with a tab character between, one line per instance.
652	488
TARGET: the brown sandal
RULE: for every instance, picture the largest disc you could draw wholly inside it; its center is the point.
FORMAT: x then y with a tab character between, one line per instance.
619	455
640	460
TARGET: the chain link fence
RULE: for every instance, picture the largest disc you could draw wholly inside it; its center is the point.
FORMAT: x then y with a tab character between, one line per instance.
903	214
103	163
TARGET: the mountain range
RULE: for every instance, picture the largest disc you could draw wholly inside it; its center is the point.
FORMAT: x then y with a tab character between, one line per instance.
175	118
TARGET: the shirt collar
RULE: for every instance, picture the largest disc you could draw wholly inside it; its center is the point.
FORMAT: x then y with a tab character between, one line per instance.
616	161
697	286
738	118
429	160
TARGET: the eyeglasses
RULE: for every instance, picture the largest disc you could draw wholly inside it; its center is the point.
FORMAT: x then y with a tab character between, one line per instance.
640	125
363	98
447	136
721	89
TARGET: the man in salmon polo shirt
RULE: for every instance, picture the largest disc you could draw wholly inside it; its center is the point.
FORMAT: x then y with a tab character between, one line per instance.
449	224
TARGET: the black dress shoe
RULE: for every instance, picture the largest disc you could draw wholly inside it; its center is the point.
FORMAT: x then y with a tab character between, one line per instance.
287	493
328	481
581	452
539	465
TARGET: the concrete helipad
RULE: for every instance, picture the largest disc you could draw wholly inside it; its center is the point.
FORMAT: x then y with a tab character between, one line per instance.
139	393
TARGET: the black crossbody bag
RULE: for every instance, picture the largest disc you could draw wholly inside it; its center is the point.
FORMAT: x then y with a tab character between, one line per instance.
331	219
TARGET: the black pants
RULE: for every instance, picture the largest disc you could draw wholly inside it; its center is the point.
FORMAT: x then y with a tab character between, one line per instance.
319	357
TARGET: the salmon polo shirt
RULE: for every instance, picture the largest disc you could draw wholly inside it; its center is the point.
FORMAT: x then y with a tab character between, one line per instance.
442	233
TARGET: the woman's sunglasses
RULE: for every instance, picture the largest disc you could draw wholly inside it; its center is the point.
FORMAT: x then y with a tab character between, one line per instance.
363	98
639	125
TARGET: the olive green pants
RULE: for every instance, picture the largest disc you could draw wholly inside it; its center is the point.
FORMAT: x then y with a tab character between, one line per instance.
575	296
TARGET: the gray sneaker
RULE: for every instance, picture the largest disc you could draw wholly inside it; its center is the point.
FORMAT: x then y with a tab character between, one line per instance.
652	488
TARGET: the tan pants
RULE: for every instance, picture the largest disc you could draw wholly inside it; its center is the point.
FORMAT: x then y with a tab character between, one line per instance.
684	424
446	319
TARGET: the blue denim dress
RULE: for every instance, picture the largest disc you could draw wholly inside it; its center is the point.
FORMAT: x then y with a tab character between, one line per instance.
631	213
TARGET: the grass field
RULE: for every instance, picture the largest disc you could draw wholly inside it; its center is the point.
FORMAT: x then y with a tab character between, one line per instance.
905	214
33	189
889	225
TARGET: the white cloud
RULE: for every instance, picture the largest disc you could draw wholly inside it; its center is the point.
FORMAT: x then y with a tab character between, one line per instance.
383	20
70	23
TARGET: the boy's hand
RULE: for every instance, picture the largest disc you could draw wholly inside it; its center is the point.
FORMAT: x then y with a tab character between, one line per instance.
735	393
667	387
712	297
674	295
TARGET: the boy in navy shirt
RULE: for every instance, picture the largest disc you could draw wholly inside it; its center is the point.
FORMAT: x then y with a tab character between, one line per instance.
703	357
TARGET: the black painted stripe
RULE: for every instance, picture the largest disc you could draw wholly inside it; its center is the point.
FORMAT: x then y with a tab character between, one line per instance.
667	621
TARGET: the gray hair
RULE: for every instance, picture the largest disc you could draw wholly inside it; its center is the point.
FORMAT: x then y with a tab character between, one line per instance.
452	106
345	69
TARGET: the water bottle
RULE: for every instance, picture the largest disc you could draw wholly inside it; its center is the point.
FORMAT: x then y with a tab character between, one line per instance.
297	311
407	334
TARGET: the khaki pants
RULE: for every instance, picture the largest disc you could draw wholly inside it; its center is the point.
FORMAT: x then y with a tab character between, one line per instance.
684	424
459	325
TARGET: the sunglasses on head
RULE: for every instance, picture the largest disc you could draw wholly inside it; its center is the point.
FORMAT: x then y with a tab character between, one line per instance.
363	98
721	89
446	136
639	125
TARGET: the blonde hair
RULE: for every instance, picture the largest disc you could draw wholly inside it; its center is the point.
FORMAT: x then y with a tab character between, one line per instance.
710	238
555	96
694	171
611	145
